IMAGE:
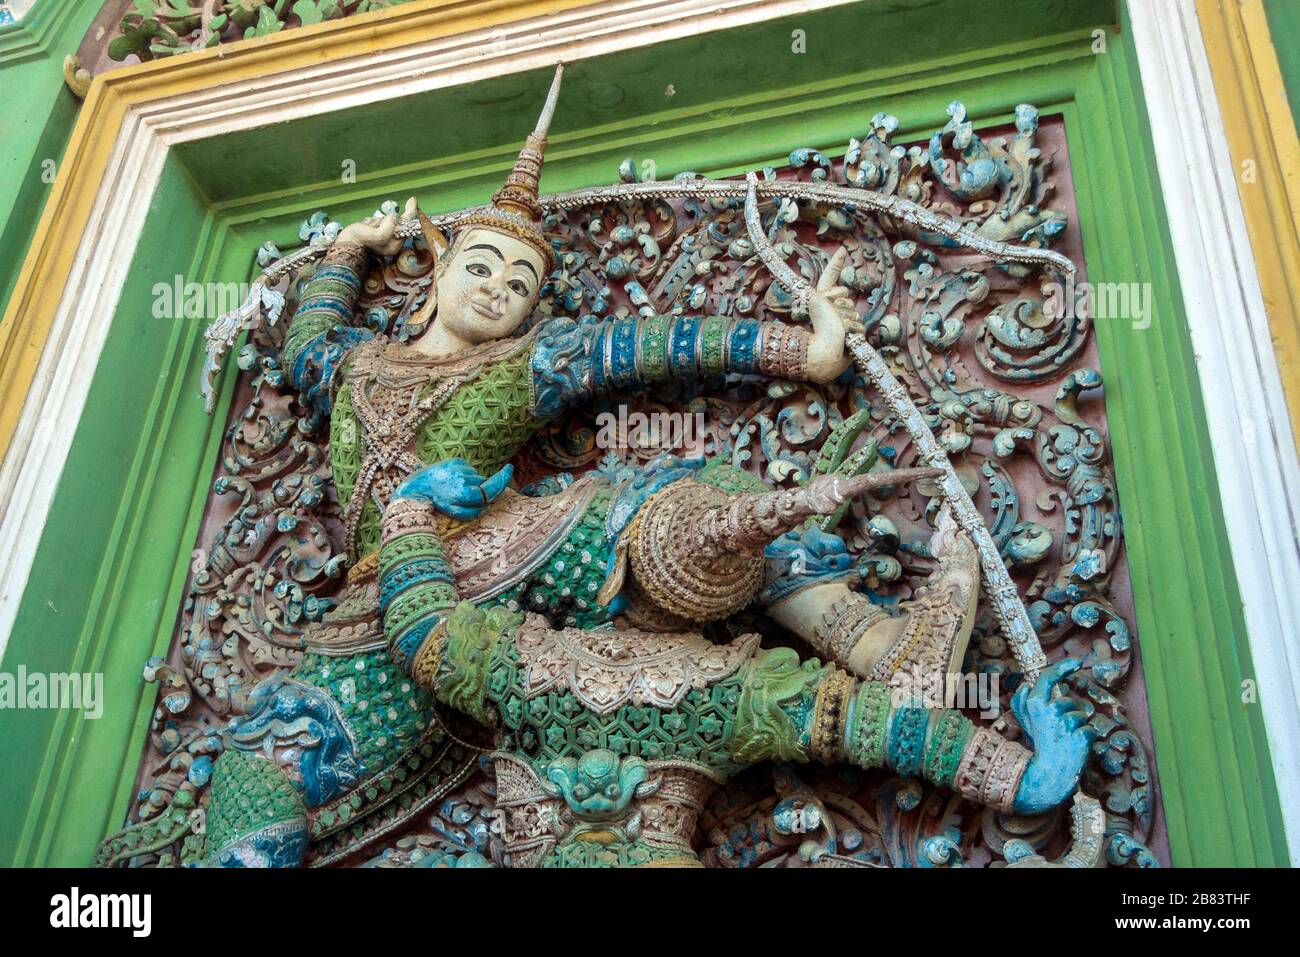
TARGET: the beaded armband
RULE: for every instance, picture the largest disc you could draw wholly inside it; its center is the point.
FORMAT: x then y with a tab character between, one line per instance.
947	742
783	352
907	740
868	725
631	352
352	256
417	586
990	769
831	715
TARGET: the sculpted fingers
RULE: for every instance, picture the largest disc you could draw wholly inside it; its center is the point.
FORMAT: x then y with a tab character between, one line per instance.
831	276
1059	671
885	477
468	495
498	482
1074	720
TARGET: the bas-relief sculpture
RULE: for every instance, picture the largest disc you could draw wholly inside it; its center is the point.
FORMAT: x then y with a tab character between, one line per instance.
149	31
399	652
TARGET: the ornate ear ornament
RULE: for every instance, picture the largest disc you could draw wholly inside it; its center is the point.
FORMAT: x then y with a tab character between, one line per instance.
433	237
438	247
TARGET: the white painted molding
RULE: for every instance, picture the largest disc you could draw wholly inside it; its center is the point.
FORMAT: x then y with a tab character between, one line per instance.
571	35
43	437
19	8
1250	430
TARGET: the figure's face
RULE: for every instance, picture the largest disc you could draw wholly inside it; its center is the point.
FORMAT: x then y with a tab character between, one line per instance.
490	285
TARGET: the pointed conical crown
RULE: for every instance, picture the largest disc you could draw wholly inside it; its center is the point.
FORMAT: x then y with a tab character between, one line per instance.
515	210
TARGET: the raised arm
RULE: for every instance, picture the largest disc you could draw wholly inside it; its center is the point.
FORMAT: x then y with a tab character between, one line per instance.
572	363
321	332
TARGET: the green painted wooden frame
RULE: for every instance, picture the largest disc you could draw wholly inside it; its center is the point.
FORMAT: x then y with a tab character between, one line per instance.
38	115
112	564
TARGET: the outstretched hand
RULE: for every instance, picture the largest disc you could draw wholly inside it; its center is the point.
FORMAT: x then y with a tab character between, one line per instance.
1061	737
833	315
455	488
379	233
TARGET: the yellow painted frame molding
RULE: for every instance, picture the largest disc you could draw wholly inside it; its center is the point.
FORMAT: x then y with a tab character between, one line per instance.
1257	117
116	94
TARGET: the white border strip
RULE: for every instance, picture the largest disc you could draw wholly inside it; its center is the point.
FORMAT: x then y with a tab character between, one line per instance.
45	430
569	36
53	406
1250	429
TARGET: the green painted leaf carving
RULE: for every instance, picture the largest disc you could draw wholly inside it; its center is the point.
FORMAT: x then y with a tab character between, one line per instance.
309	12
266	24
167	27
137	35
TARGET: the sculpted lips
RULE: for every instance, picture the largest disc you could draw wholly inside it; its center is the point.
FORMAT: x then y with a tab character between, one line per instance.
483	308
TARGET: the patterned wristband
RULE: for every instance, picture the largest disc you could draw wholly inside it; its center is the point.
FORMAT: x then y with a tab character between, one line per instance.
868	724
943	754
830	715
907	740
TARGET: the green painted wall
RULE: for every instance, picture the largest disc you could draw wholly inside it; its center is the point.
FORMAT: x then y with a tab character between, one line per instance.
37	112
1284	24
112	563
123	432
624	99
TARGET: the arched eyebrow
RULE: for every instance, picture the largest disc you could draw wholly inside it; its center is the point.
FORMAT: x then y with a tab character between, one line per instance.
518	262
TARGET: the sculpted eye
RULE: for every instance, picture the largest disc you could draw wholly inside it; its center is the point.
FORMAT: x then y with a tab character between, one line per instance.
520	289
478	269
